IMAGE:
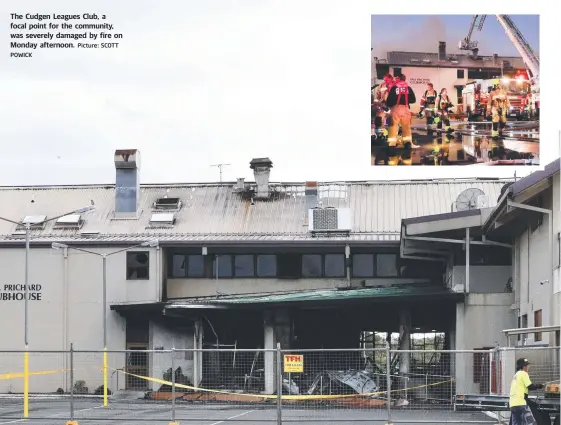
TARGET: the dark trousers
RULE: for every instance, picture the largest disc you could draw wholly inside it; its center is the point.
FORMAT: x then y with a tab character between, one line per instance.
521	415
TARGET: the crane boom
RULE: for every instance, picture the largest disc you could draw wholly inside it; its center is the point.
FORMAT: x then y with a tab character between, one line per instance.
528	55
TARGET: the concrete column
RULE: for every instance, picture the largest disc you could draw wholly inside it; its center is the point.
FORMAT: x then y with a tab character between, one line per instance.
405	340
270	343
461	361
508	368
277	330
197	355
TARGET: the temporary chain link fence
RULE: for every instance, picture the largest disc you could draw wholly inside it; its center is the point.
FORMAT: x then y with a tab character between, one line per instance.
274	385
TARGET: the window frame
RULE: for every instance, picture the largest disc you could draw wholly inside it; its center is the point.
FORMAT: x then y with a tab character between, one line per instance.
325	275
377	274
538	335
129	255
461	72
321	266
253	266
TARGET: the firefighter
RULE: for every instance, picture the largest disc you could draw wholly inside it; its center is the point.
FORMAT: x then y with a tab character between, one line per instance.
444	104
497	107
518	402
380	107
428	105
399	98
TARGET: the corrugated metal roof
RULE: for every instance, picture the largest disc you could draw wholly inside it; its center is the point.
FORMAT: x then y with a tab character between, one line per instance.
324	295
464	61
215	212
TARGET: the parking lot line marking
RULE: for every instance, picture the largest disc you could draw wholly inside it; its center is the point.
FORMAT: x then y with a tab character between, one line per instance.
52	416
233	417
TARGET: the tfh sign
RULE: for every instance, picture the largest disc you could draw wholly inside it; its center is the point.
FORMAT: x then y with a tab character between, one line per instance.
293	363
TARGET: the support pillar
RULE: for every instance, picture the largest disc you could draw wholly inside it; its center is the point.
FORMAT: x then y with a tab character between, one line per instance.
197	355
404	343
277	327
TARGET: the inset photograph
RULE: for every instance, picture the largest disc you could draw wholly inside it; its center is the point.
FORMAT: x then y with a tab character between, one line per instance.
455	90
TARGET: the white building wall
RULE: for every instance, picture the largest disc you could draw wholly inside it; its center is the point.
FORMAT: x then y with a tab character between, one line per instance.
447	78
164	337
480	321
535	290
69	311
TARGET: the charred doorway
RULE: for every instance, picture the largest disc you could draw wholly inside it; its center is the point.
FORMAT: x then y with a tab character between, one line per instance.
232	331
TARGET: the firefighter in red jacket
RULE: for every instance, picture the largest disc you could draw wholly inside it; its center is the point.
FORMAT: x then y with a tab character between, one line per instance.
399	98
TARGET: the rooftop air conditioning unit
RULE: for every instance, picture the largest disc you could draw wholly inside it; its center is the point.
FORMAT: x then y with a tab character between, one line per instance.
329	219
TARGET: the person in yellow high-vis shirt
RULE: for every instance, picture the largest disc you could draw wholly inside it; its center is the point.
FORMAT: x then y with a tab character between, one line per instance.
519	410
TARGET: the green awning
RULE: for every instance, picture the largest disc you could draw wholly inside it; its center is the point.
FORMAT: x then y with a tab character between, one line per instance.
324	295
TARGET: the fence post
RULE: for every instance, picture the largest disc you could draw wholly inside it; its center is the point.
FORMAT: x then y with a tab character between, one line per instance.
71	382
173	385
279	385
388	381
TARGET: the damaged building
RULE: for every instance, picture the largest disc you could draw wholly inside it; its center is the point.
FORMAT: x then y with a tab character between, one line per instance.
248	264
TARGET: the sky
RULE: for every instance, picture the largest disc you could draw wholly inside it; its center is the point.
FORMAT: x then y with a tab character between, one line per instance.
197	83
425	31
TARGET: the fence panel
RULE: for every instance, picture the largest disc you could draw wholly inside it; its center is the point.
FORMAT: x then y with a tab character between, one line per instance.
334	385
427	381
47	382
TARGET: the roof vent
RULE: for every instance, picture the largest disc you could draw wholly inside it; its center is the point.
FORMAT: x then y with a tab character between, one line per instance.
240	185
34	221
71	221
311	192
167	204
329	220
261	170
415	60
162	219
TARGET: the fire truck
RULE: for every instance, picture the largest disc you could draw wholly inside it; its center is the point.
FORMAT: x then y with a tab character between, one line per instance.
519	88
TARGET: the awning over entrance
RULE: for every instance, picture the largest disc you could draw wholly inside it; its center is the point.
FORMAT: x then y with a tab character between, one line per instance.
319	296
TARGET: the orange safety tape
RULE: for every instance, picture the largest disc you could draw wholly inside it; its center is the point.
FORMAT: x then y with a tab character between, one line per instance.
284	397
21	375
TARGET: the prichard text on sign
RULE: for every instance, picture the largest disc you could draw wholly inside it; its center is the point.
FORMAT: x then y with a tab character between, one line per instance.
17	292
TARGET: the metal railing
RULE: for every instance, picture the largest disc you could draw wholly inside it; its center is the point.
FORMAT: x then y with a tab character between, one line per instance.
264	385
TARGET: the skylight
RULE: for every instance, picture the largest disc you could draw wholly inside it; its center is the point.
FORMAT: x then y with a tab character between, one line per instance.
162	218
34	221
167	203
71	220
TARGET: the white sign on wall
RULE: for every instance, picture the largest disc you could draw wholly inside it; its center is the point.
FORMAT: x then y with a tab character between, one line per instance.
419	80
17	292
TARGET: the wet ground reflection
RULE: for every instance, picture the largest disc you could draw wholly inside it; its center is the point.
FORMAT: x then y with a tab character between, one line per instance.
469	144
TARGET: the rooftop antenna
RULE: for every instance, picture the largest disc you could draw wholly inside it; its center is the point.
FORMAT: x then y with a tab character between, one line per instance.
220	168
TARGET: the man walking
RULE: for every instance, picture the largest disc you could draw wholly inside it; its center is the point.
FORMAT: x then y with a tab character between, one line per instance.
520	412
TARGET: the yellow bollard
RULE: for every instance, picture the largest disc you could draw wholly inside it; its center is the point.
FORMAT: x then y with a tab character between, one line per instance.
105	377
71	422
26	385
173	423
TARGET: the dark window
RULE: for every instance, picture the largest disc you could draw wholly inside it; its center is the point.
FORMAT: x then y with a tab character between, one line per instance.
460	99
335	265
244	266
557	341
179	265
382	70
289	266
523	324
460	73
537	324
224	265
363	265
266	266
195	266
396	72
386	265
138	265
311	265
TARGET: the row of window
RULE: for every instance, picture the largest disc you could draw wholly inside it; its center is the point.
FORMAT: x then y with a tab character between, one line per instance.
281	265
